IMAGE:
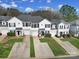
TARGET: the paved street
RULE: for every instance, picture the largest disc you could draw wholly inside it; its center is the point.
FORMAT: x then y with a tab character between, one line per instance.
76	57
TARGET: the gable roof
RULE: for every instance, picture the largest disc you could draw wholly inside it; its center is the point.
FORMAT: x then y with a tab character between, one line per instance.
5	18
75	22
24	17
30	18
55	21
35	19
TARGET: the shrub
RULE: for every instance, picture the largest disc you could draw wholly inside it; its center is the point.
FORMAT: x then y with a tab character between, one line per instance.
0	33
42	34
11	34
56	35
68	35
47	35
64	35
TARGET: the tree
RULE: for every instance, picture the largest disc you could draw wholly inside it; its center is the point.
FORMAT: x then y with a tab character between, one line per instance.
68	12
50	15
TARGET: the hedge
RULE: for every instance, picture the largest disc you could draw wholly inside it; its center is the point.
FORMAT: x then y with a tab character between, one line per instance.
11	33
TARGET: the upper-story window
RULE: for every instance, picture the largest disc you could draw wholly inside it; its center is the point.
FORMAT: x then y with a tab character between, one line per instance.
0	23
61	26
64	27
12	24
53	26
35	25
3	23
25	24
47	25
67	27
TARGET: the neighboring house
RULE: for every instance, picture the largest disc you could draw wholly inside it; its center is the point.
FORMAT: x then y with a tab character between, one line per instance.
32	25
62	27
74	28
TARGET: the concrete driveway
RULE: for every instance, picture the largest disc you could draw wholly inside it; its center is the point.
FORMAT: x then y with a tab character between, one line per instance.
21	50
42	50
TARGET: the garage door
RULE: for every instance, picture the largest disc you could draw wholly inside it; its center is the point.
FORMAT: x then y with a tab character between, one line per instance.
26	32
4	32
34	32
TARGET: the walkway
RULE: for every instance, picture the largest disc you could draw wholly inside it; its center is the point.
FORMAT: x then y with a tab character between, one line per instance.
72	50
42	50
20	50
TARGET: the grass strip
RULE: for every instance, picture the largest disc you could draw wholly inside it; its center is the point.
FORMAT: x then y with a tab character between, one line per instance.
55	47
32	51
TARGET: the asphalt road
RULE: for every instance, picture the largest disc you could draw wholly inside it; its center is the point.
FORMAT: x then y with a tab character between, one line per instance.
77	57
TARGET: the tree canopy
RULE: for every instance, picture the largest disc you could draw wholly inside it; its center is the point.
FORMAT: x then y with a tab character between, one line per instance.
68	12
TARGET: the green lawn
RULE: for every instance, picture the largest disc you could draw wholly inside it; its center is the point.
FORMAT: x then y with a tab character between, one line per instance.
5	48
32	51
55	47
73	41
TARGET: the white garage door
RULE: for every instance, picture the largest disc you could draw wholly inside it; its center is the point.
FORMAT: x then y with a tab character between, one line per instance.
34	32
4	32
26	32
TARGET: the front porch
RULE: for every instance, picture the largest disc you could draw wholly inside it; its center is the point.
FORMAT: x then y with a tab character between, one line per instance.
19	32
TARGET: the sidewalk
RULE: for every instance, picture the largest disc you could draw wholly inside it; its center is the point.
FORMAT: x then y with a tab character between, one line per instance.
72	50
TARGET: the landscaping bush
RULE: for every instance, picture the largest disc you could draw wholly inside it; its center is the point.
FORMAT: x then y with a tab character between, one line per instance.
47	35
0	34
42	34
68	35
11	34
64	35
56	35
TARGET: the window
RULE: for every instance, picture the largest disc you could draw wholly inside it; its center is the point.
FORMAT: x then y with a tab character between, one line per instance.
67	27
47	25
3	23
12	24
64	27
35	25
61	27
25	24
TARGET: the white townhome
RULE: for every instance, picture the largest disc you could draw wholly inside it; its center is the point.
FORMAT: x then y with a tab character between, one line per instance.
32	25
74	28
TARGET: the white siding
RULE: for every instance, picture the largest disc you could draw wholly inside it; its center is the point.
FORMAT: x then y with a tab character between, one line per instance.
16	21
4	30
42	24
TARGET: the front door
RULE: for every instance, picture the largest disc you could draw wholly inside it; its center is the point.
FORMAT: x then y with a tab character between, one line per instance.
18	33
61	33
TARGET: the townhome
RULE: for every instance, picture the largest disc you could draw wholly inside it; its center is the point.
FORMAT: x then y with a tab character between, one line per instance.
74	28
32	25
62	28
